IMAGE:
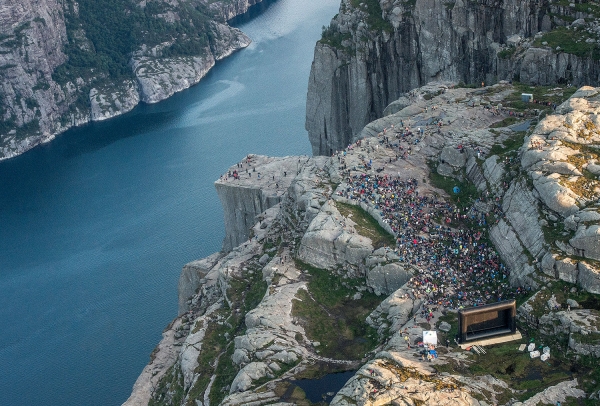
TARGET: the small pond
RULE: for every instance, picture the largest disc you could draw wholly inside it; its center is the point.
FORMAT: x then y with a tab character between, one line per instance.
325	388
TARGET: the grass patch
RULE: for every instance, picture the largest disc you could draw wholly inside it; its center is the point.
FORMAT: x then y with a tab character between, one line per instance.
562	291
516	368
293	394
213	345
544	94
374	18
169	389
583	186
366	225
245	293
570	41
452	319
558	232
511	144
507	53
330	316
505	123
468	191
592	339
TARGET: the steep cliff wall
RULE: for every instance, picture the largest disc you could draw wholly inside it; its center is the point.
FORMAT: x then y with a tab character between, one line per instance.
67	63
374	51
260	190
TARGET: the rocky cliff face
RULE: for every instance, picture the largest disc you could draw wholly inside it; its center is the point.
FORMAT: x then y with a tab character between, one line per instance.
318	283
374	51
59	68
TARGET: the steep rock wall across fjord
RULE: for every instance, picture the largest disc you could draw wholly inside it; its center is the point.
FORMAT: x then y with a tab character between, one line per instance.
60	68
374	51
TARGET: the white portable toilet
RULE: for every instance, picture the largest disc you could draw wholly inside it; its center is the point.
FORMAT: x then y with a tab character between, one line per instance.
430	337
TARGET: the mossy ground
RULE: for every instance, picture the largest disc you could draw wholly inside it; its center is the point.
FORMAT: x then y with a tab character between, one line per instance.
331	316
509	145
468	191
366	225
545	94
570	41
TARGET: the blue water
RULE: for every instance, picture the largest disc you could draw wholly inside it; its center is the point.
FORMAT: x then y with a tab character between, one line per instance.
96	225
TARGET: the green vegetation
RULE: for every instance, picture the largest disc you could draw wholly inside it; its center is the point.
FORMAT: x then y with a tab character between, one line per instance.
366	225
104	33
468	191
507	53
245	293
332	317
570	41
452	319
557	233
510	144
562	291
544	94
293	394
517	369
374	19
505	123
169	389
331	36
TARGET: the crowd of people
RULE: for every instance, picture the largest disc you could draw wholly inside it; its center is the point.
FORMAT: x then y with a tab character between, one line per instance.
455	266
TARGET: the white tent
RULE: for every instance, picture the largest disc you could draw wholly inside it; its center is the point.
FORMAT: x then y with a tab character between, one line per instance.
430	337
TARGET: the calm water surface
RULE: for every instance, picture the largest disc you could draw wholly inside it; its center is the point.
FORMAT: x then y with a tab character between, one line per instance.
95	226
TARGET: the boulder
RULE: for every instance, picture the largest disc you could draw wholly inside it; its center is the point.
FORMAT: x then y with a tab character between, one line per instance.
385	279
251	372
444	326
557	197
396	106
566	270
587	242
588	277
331	240
453	157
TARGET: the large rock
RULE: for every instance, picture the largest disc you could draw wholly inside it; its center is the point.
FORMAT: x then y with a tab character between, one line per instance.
557	197
512	253
587	242
453	156
331	240
385	279
521	209
589	277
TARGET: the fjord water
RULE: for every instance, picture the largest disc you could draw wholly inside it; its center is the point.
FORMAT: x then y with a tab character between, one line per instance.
96	225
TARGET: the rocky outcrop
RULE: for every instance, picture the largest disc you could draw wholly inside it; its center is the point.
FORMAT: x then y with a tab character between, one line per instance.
246	192
52	80
331	241
159	78
374	52
191	279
